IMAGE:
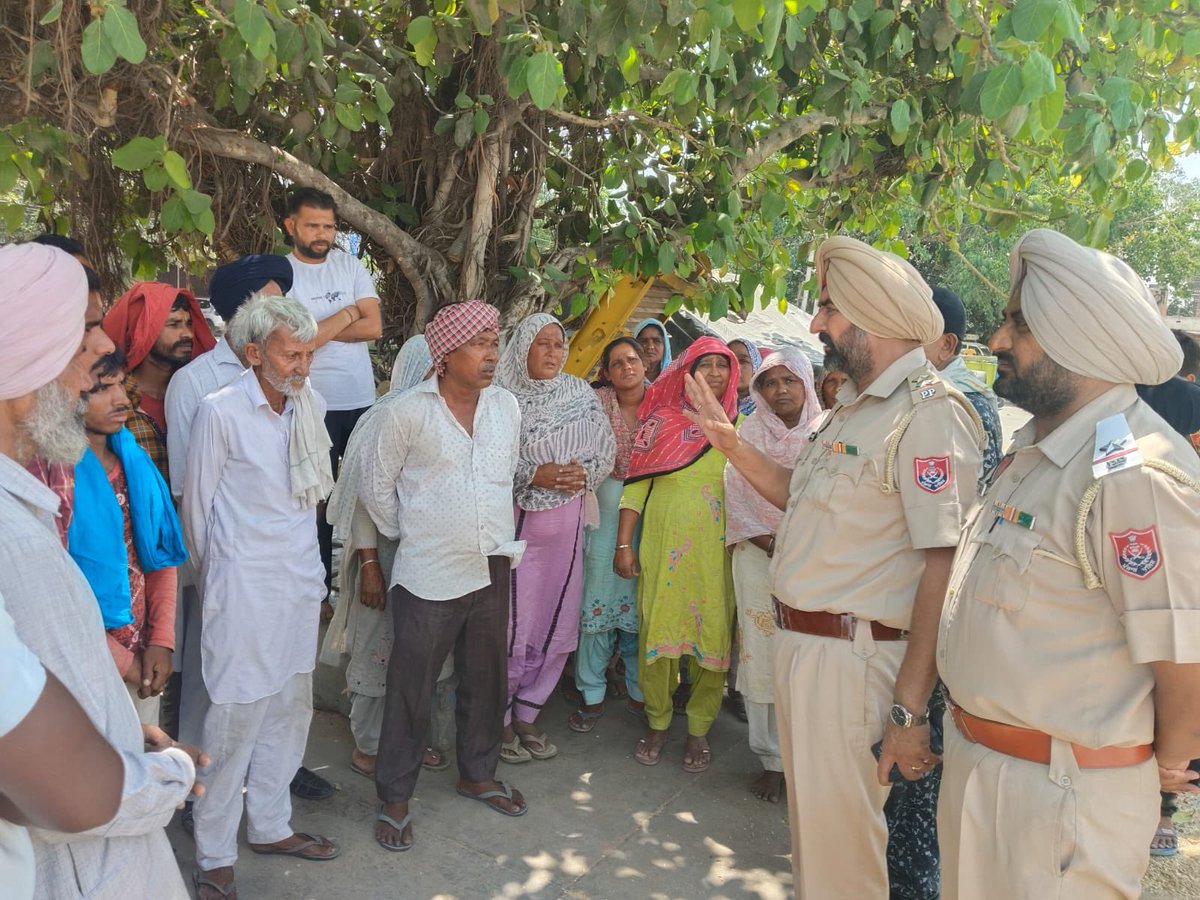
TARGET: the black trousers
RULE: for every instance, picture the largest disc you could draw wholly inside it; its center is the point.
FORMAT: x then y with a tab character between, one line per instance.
474	627
339	423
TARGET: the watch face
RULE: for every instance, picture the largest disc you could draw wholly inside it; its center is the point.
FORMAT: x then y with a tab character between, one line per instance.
900	715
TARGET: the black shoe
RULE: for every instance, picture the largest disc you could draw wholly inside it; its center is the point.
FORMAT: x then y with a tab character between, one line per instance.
311	786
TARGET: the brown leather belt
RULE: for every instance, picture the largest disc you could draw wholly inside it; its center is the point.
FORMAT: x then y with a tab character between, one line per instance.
1034	746
835	625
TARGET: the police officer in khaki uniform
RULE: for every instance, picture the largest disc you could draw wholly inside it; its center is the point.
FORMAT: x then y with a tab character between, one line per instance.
873	511
1073	612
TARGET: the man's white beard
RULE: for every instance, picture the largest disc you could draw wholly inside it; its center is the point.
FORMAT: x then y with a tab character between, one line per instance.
54	428
281	383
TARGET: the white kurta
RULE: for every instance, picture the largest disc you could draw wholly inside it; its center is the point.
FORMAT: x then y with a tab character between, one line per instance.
57	617
256	548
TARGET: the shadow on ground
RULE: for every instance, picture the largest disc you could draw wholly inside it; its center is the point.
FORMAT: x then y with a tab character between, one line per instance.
599	826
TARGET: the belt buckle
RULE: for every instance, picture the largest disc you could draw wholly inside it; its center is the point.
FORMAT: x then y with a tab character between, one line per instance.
849	625
777	613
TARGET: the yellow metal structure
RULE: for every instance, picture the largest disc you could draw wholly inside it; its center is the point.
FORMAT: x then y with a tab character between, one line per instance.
604	323
608	318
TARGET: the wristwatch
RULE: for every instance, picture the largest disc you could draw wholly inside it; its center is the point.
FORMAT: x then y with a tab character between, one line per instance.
902	717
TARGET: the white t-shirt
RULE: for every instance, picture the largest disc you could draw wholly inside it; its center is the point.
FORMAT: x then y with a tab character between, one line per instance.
22	680
341	372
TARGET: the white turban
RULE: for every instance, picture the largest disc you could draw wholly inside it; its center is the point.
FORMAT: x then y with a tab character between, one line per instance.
878	291
43	301
1090	312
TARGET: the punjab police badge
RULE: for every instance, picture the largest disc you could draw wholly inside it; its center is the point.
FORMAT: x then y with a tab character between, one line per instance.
1138	554
932	473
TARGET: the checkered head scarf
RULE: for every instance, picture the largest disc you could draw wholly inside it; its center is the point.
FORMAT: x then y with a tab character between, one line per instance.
456	324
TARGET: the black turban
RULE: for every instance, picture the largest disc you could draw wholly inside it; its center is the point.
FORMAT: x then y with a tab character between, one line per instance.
234	282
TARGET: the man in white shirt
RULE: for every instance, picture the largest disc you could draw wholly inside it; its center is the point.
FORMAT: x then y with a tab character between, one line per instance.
43	369
230	286
438	479
340	293
249	516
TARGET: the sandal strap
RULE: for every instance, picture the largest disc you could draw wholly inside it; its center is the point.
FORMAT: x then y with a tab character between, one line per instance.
388	820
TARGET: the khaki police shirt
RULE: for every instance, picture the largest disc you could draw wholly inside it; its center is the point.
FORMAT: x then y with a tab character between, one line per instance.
1022	640
846	546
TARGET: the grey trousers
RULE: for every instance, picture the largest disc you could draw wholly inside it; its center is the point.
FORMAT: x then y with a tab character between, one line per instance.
474	628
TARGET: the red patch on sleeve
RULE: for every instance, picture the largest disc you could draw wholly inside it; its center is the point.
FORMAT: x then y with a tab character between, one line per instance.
1138	552
932	473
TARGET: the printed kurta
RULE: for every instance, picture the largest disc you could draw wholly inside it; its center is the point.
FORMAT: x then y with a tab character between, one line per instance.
685	592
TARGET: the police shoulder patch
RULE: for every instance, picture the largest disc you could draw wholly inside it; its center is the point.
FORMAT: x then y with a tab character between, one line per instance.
932	473
1138	552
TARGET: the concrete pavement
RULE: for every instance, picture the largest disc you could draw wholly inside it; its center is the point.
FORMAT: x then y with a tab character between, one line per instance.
599	826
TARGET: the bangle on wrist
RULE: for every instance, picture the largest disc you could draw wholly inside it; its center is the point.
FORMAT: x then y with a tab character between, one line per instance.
624	546
367	562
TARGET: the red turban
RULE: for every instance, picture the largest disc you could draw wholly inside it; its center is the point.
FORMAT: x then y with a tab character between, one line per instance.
137	318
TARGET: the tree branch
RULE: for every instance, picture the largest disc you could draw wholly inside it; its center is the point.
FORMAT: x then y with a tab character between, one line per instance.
794	129
424	268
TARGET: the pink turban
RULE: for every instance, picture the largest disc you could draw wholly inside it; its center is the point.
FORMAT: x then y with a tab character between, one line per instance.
456	324
43	301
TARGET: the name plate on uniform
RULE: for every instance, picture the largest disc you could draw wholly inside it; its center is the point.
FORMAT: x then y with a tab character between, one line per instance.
1115	447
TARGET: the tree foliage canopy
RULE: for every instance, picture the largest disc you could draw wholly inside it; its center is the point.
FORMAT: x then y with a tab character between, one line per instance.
533	150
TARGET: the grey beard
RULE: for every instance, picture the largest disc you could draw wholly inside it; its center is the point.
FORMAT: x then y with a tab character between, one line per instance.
54	428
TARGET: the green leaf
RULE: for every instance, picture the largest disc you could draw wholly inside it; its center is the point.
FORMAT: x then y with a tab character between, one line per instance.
1191	41
155	177
195	202
137	154
1031	18
174	215
121	29
666	258
545	77
1118	93
350	116
772	22
483	14
252	25
290	41
176	169
772	206
517	77
98	53
1136	170
423	37
383	99
481	120
1037	77
52	14
900	116
347	92
748	13
1001	90
610	30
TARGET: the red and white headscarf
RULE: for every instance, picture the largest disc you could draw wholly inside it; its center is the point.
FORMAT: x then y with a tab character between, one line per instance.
454	325
667	440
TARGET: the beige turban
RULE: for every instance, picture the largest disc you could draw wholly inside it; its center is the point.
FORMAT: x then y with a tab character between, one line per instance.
43	301
1090	312
878	291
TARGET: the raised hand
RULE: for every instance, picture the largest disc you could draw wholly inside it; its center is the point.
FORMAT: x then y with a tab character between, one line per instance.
710	415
